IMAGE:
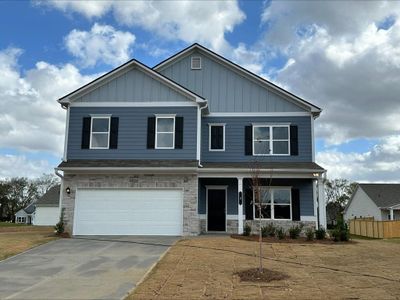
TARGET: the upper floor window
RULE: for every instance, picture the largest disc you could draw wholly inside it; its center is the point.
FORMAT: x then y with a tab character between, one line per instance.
217	137
195	63
276	203
271	140
100	132
165	132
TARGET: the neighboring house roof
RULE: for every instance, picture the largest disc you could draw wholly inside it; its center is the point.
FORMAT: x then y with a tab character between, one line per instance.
314	109
30	208
50	198
383	195
65	100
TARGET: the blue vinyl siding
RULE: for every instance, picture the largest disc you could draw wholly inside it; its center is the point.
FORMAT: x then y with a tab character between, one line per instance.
304	186
132	133
235	144
226	89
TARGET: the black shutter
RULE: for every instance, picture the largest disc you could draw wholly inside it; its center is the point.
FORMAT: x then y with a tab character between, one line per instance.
178	132
86	133
294	142
151	132
295	204
248	203
248	140
114	133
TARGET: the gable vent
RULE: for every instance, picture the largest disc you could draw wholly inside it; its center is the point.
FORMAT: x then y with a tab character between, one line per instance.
196	63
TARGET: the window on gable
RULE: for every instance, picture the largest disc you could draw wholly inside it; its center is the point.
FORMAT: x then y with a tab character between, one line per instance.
100	133
195	63
165	132
217	137
271	140
276	203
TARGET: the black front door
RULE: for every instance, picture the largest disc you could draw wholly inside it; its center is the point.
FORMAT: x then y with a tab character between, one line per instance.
216	210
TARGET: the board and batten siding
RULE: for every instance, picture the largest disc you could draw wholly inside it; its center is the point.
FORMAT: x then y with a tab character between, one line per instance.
132	133
361	206
225	89
133	86
235	144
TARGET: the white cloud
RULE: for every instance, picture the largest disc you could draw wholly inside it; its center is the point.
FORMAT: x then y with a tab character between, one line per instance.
381	163
21	166
31	119
189	21
101	44
351	69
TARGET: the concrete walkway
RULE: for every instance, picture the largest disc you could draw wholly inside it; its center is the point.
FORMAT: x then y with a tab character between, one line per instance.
81	268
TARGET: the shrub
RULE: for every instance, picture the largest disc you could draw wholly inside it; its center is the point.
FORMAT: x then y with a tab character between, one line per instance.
341	231
59	227
294	231
280	233
268	230
310	234
247	229
320	233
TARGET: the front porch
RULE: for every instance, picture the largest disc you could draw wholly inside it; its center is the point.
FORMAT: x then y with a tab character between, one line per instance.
225	199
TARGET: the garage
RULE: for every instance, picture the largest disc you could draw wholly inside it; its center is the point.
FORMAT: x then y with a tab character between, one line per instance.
128	212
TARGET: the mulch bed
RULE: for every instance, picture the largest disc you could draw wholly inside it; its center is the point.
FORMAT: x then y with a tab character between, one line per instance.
254	275
300	240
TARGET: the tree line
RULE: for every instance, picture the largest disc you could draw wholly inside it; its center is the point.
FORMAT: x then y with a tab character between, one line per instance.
19	192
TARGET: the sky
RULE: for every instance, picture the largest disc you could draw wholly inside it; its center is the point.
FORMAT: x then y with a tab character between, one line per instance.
342	56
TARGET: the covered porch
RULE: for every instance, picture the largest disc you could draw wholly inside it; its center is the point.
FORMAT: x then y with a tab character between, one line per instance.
291	194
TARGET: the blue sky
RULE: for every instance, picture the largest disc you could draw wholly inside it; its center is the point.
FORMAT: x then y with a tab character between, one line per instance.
350	69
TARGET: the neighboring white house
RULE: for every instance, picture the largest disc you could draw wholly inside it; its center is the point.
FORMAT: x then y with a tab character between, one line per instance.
47	210
380	201
25	215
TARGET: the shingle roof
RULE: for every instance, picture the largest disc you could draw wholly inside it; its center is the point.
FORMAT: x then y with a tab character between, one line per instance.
51	198
384	195
127	163
265	165
30	208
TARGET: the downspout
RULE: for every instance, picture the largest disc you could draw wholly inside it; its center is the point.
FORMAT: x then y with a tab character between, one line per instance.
199	132
60	201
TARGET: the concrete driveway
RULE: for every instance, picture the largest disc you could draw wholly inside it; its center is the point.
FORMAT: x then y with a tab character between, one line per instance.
81	268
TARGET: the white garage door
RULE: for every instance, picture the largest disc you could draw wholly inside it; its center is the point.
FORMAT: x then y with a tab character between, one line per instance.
128	212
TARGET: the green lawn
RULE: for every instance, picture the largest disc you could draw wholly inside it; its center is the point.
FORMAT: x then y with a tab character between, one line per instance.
393	240
7	224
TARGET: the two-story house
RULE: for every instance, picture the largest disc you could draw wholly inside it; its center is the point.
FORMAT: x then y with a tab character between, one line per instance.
171	150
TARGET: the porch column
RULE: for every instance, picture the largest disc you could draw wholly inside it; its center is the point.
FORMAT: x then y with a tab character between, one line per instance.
240	205
321	203
391	214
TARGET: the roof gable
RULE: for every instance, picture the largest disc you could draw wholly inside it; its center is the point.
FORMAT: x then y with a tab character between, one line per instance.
383	195
276	97
131	82
50	198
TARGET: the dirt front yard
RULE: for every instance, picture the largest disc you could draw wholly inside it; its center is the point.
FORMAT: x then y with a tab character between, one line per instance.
204	267
16	239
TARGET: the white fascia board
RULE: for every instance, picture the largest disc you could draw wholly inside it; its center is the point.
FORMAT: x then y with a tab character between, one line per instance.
134	104
260	114
119	170
294	99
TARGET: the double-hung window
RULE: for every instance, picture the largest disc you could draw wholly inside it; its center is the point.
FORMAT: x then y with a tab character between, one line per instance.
100	132
271	140
21	219
276	203
165	132
217	137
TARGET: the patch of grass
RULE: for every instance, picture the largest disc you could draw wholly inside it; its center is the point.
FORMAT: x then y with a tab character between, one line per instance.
8	224
12	243
360	237
393	240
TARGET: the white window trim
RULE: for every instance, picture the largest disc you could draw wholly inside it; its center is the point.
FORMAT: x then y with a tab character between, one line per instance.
271	140
21	219
191	63
173	131
209	137
108	133
273	204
